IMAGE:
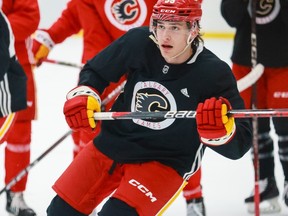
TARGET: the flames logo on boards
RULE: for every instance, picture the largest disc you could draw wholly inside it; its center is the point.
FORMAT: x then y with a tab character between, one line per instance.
126	14
152	96
267	11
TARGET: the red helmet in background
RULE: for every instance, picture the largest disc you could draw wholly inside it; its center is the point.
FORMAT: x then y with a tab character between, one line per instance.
177	10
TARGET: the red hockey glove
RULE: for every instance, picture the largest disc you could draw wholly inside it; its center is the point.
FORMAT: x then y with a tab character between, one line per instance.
80	106
213	124
42	44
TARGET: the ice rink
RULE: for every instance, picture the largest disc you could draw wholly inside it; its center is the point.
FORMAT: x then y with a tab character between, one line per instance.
226	183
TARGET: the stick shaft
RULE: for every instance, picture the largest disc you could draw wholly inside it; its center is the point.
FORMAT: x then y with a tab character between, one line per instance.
254	62
62	63
25	171
245	113
114	93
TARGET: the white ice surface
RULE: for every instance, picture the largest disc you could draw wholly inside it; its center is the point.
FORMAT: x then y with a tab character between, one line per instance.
226	183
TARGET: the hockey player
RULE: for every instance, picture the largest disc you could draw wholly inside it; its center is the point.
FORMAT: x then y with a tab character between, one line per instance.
24	17
105	26
272	88
167	68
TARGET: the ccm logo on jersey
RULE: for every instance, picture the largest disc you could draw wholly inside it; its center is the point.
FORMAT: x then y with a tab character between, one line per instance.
143	189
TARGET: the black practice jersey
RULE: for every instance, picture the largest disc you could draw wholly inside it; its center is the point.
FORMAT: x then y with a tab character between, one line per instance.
155	85
12	76
271	30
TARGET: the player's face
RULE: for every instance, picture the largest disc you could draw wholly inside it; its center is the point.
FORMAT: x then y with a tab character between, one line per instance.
172	40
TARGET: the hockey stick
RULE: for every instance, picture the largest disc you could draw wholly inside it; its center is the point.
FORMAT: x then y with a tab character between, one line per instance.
25	171
112	95
240	113
63	63
250	78
254	102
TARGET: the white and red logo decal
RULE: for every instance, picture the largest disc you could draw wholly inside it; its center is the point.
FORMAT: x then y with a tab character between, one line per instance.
126	14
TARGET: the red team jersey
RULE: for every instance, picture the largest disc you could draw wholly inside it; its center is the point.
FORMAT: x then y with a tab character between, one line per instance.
102	21
24	18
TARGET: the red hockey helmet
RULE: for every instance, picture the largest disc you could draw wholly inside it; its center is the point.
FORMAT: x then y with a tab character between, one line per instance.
177	10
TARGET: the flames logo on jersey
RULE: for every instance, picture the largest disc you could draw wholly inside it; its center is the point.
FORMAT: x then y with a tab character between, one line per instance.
126	14
125	10
267	10
150	102
151	96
